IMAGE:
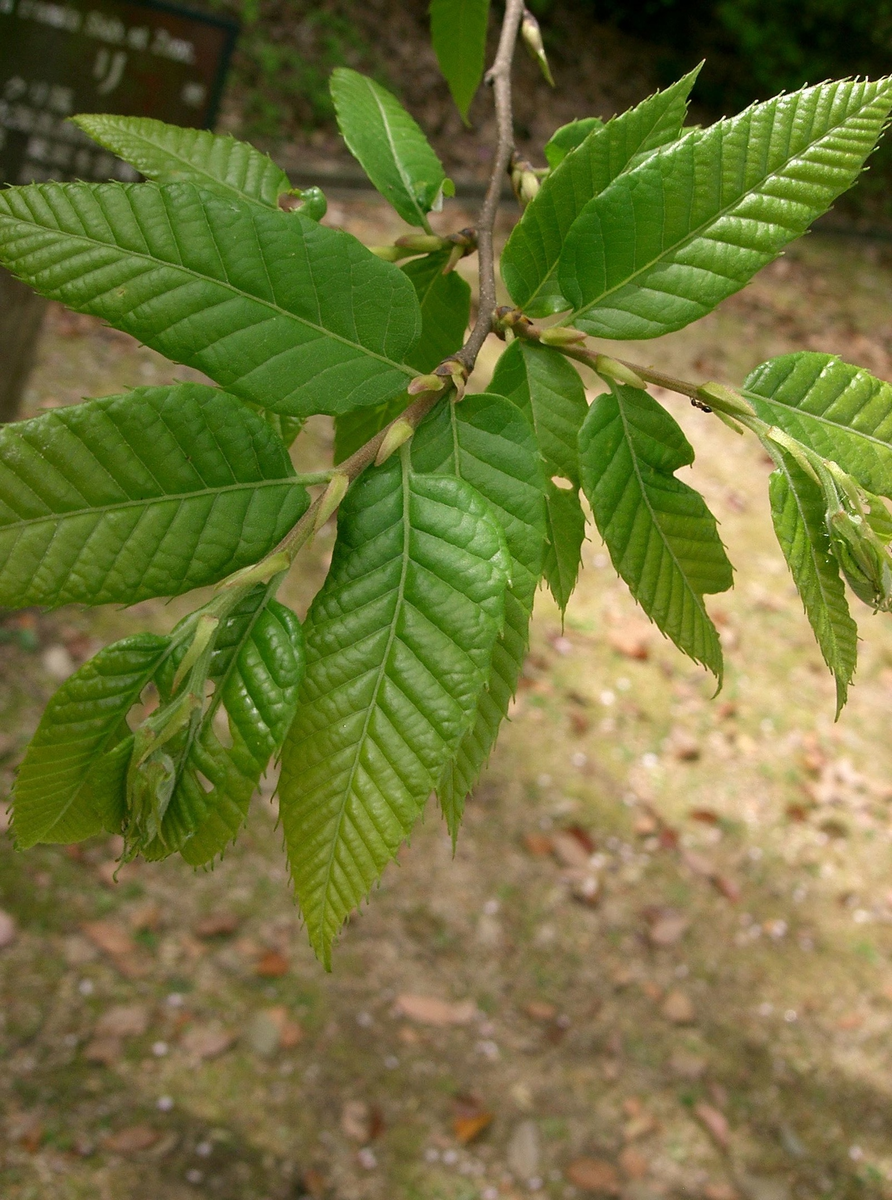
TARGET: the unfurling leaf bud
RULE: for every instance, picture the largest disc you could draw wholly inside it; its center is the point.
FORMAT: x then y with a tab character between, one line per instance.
452	369
205	631
398	433
426	383
524	180
532	39
617	372
864	559
422	243
561	335
388	253
725	399
331	498
259	572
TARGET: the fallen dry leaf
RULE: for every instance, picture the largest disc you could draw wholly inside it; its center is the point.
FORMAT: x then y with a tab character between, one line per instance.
429	1010
686	1065
104	1050
720	1191
123	1020
146	916
131	1140
206	1041
853	1020
314	1182
110	936
29	1135
715	1123
726	887
595	1175
539	844
540	1010
271	965
7	929
466	1129
633	1163
290	1032
222	924
683	747
356	1121
639	1126
667	927
677	1007
568	850
706	816
631	639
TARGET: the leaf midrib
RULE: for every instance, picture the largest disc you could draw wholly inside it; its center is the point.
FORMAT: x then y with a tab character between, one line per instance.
190	272
821	419
177	497
373	702
404	177
714	217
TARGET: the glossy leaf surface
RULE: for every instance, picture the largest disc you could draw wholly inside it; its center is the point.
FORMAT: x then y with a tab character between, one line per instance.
839	410
171	154
58	794
568	137
798	510
399	644
458	30
661	536
670	239
531	256
147	494
388	144
280	310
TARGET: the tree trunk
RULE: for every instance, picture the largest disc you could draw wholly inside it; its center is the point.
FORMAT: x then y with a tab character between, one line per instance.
21	314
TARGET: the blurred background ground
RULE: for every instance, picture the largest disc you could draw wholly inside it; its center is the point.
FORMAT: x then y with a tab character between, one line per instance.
659	964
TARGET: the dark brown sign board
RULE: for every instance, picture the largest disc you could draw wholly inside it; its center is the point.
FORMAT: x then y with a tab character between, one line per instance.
133	57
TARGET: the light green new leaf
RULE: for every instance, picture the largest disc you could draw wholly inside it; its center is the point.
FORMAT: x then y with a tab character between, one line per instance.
59	794
530	258
445	302
840	411
565	531
388	144
487	442
710	210
257	667
798	510
279	310
548	389
661	536
147	494
568	137
399	645
171	154
458	31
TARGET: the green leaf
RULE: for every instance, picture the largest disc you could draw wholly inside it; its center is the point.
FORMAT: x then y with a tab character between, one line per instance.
711	209
530	259
284	427
58	795
487	442
799	516
548	389
568	137
388	144
257	667
171	154
399	644
840	411
565	531
279	310
661	536
147	494
458	31
445	302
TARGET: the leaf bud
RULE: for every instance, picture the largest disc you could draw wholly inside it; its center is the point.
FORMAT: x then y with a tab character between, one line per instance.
259	572
561	335
205	632
388	253
331	498
864	559
309	201
725	399
452	369
421	243
617	372
532	39
397	435
426	383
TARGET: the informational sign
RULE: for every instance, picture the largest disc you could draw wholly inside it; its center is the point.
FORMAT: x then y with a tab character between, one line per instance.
132	57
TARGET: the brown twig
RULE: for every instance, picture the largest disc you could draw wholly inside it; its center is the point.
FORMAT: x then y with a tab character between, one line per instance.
499	79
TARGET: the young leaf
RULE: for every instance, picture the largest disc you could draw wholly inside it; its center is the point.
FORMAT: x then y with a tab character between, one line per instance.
568	137
147	494
58	795
399	644
171	154
840	411
458	31
530	259
548	389
661	536
799	516
257	666
487	442
279	310
565	531
713	208
388	144
445	302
